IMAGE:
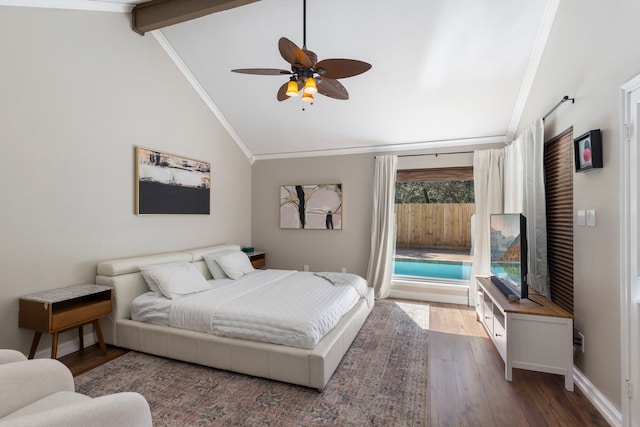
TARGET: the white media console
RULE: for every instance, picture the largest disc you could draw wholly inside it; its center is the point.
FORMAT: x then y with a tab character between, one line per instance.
527	335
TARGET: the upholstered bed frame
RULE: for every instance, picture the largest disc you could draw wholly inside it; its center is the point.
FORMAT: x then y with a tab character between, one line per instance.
311	368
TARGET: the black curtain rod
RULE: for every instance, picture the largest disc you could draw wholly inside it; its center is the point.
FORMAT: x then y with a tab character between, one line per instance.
562	101
437	154
433	154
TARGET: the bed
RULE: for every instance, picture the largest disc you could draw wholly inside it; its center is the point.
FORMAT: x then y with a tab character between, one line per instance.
310	367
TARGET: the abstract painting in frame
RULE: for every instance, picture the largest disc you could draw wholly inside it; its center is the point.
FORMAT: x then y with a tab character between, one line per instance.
170	184
312	207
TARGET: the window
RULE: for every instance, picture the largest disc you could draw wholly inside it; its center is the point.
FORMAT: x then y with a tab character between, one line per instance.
433	223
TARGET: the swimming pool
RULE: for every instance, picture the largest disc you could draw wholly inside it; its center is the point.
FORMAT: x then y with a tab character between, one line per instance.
455	270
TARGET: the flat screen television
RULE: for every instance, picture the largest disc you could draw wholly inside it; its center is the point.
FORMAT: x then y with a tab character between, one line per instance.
509	254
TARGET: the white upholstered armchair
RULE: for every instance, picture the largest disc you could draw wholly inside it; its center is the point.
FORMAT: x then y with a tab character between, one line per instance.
41	392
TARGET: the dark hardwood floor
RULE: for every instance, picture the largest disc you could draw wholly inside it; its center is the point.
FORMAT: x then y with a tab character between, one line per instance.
467	385
89	358
466	380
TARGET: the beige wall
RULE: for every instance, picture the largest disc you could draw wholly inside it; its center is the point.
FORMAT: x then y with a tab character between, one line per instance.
591	52
78	91
321	250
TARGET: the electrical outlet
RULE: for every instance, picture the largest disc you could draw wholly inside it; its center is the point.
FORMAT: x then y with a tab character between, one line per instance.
344	269
306	267
581	335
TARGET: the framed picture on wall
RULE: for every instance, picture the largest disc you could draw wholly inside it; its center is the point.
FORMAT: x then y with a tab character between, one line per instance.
588	151
170	184
317	206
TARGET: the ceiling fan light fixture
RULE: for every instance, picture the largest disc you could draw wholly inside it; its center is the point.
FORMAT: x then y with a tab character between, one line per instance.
292	88
304	66
307	97
310	85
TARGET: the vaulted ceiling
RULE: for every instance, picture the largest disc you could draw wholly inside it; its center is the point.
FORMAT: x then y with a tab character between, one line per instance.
445	72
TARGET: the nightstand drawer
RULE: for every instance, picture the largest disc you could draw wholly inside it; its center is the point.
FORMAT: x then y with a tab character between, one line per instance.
76	316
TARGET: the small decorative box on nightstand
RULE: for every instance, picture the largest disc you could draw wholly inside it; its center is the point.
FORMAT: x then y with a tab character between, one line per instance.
61	309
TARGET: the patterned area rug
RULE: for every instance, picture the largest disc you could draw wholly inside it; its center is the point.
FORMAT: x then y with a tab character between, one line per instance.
381	381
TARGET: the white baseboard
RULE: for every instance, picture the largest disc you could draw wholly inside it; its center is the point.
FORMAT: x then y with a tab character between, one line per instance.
425	296
601	403
67	347
427	291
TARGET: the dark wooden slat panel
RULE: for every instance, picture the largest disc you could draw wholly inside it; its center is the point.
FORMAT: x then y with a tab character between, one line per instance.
564	257
558	164
562	254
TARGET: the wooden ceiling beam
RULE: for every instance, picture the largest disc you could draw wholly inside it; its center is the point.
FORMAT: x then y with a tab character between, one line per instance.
156	14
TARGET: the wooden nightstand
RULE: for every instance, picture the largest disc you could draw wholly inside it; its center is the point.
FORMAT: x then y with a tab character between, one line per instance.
61	309
258	258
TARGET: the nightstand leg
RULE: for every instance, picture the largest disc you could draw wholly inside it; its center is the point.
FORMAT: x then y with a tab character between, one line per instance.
81	337
34	344
98	329
54	345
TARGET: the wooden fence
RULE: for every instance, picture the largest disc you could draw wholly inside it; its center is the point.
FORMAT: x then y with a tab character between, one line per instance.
434	225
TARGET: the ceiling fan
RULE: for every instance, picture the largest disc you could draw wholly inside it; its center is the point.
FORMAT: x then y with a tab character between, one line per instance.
307	75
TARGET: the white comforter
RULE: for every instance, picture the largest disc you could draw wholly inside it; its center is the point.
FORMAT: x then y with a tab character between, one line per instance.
280	306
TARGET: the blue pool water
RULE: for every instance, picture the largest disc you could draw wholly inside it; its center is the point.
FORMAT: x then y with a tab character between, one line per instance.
455	270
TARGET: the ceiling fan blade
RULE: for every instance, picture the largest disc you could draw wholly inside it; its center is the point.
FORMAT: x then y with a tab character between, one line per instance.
312	57
262	71
282	92
341	68
332	88
293	54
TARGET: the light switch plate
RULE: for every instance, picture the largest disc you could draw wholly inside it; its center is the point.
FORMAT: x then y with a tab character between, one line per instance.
591	218
580	218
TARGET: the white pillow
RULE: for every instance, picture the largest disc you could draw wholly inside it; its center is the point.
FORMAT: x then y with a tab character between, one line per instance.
236	264
146	269
179	279
212	264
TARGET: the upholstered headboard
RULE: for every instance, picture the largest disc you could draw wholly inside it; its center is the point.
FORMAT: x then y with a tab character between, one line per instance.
127	282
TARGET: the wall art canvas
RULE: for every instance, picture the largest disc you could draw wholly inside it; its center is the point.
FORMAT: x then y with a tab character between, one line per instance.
170	184
316	207
588	151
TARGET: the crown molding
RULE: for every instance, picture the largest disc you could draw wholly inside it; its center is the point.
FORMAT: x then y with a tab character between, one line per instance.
195	84
393	148
98	6
532	67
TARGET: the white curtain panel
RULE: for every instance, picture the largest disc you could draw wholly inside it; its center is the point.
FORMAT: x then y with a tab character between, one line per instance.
383	226
514	177
488	179
525	193
535	207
